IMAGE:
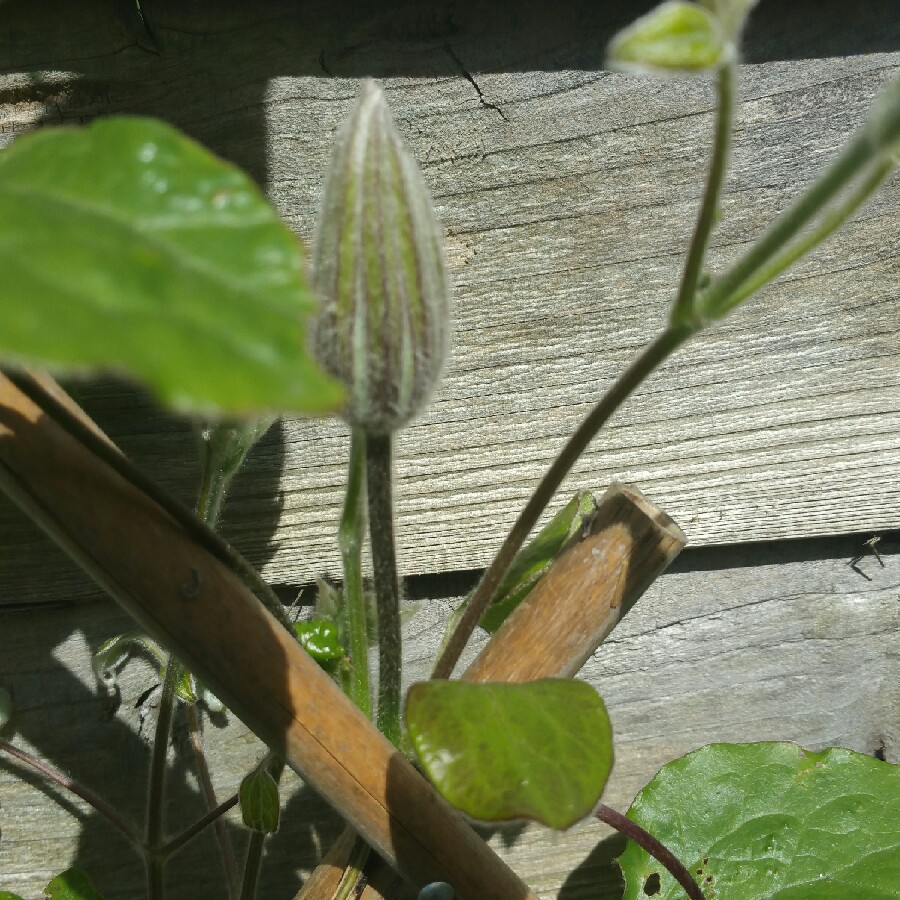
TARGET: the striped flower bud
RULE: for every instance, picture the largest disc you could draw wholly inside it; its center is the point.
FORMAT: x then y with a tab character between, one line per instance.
380	273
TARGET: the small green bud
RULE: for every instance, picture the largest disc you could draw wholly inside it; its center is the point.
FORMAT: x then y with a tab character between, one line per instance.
676	38
380	272
260	801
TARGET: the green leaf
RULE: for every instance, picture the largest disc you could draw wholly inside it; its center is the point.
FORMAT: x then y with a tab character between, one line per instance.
260	803
540	750
530	564
126	246
6	895
113	653
185	690
6	708
773	821
675	38
73	884
533	561
319	638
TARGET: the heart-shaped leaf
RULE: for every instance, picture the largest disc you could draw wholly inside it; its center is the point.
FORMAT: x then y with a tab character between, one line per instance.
73	884
773	821
126	246
540	750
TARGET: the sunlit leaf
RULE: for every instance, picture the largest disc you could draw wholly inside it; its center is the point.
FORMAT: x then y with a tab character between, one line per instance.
73	884
675	38
260	803
531	563
126	246
497	751
319	637
773	821
113	653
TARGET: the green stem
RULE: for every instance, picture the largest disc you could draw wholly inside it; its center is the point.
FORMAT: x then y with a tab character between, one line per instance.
727	291
652	356
156	786
350	537
253	860
379	476
101	806
683	309
226	851
213	486
829	224
252	865
176	843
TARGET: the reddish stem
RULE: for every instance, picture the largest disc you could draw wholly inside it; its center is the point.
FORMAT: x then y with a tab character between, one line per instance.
74	787
658	851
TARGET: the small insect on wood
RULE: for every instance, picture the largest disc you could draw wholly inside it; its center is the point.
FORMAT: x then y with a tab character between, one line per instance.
871	543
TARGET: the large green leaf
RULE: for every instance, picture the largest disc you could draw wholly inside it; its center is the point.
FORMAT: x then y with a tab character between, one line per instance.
497	751
126	246
73	884
771	821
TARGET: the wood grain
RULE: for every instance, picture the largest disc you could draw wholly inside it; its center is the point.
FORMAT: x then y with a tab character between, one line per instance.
567	195
145	560
770	641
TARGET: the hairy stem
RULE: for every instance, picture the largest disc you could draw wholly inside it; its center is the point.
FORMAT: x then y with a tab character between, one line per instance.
350	537
682	311
252	864
157	781
349	886
379	474
210	498
652	356
655	848
829	224
101	806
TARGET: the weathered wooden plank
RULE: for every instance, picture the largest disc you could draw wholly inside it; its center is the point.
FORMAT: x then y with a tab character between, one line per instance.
567	195
778	641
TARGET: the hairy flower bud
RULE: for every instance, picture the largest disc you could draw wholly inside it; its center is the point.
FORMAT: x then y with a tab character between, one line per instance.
380	273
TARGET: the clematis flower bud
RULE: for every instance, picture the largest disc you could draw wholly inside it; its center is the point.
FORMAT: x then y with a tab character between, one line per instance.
380	273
